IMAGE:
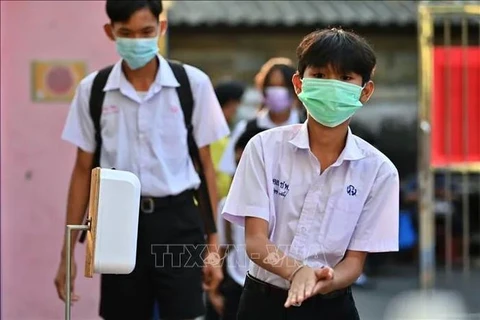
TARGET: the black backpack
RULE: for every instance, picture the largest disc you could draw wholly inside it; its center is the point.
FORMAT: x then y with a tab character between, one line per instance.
185	96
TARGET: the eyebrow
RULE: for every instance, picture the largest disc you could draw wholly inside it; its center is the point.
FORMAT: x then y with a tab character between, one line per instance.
147	28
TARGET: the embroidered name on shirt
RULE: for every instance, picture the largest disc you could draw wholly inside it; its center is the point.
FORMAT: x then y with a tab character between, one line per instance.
280	188
174	109
109	109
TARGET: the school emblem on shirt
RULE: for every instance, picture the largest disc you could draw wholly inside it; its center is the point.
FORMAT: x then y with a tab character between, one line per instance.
351	190
280	188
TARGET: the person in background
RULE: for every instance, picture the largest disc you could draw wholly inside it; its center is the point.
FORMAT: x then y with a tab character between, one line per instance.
229	95
231	237
279	107
143	131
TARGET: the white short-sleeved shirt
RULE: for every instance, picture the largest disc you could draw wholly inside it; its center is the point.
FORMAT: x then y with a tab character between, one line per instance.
237	259
144	132
228	162
313	217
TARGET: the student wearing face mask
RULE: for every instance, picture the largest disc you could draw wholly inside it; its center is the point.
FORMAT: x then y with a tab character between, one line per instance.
279	106
314	198
141	106
231	237
229	94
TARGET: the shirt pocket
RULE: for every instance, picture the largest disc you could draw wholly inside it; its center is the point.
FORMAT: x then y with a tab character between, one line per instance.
342	214
172	136
109	128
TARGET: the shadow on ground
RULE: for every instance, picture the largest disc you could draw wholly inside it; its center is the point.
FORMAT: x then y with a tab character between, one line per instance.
372	303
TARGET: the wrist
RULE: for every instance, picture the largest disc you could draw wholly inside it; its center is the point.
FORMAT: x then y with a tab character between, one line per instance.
293	270
212	239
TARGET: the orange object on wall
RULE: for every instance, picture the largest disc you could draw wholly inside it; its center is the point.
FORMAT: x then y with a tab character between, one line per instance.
56	80
449	125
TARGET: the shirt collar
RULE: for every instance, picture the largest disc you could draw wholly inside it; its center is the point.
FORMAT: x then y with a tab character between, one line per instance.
351	151
164	78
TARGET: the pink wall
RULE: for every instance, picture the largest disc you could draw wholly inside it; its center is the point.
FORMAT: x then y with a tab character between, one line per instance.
32	210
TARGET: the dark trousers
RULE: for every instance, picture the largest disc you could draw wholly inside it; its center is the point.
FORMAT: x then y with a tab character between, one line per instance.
168	268
261	301
231	292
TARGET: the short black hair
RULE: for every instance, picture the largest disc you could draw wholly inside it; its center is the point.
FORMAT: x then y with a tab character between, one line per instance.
227	91
246	137
122	10
343	50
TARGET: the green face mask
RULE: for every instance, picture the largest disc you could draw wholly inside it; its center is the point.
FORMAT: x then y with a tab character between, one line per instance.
330	102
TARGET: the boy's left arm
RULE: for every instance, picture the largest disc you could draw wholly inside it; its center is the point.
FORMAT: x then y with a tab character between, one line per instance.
210	178
376	230
209	125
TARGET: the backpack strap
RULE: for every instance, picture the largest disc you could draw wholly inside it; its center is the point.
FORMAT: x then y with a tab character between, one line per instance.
251	125
184	92
97	95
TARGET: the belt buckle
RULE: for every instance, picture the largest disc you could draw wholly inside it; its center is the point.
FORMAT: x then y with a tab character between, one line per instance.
147	205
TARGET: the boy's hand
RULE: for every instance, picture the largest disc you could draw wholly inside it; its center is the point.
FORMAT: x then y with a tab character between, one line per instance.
302	286
308	282
324	284
60	280
212	270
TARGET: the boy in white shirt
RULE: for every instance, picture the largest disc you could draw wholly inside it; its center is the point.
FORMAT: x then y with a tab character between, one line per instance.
231	238
313	197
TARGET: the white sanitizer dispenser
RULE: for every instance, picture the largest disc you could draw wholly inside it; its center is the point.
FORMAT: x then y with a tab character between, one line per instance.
113	217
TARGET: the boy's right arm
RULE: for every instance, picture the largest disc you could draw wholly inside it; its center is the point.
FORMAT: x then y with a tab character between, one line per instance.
80	132
78	194
264	252
269	257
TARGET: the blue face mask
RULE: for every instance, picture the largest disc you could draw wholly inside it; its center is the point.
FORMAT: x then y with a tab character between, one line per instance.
137	52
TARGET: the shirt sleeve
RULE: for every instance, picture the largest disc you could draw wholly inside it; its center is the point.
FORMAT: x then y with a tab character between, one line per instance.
78	129
248	195
209	124
377	228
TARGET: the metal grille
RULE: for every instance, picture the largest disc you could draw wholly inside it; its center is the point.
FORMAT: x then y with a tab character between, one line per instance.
449	144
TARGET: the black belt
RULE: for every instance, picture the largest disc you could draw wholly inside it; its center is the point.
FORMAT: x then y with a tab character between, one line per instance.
270	289
151	204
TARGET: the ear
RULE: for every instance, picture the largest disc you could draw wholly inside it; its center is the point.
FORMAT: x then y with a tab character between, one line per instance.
109	31
163	27
297	83
367	92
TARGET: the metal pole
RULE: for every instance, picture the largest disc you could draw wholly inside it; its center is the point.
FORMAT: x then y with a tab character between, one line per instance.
68	302
425	174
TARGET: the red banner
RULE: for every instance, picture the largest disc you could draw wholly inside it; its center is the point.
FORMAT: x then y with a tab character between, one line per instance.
448	109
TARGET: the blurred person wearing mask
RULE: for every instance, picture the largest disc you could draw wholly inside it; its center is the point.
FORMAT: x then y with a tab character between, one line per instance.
314	198
279	106
223	303
229	95
142	130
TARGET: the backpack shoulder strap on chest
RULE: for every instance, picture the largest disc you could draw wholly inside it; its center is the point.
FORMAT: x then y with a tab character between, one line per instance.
184	92
251	125
97	95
